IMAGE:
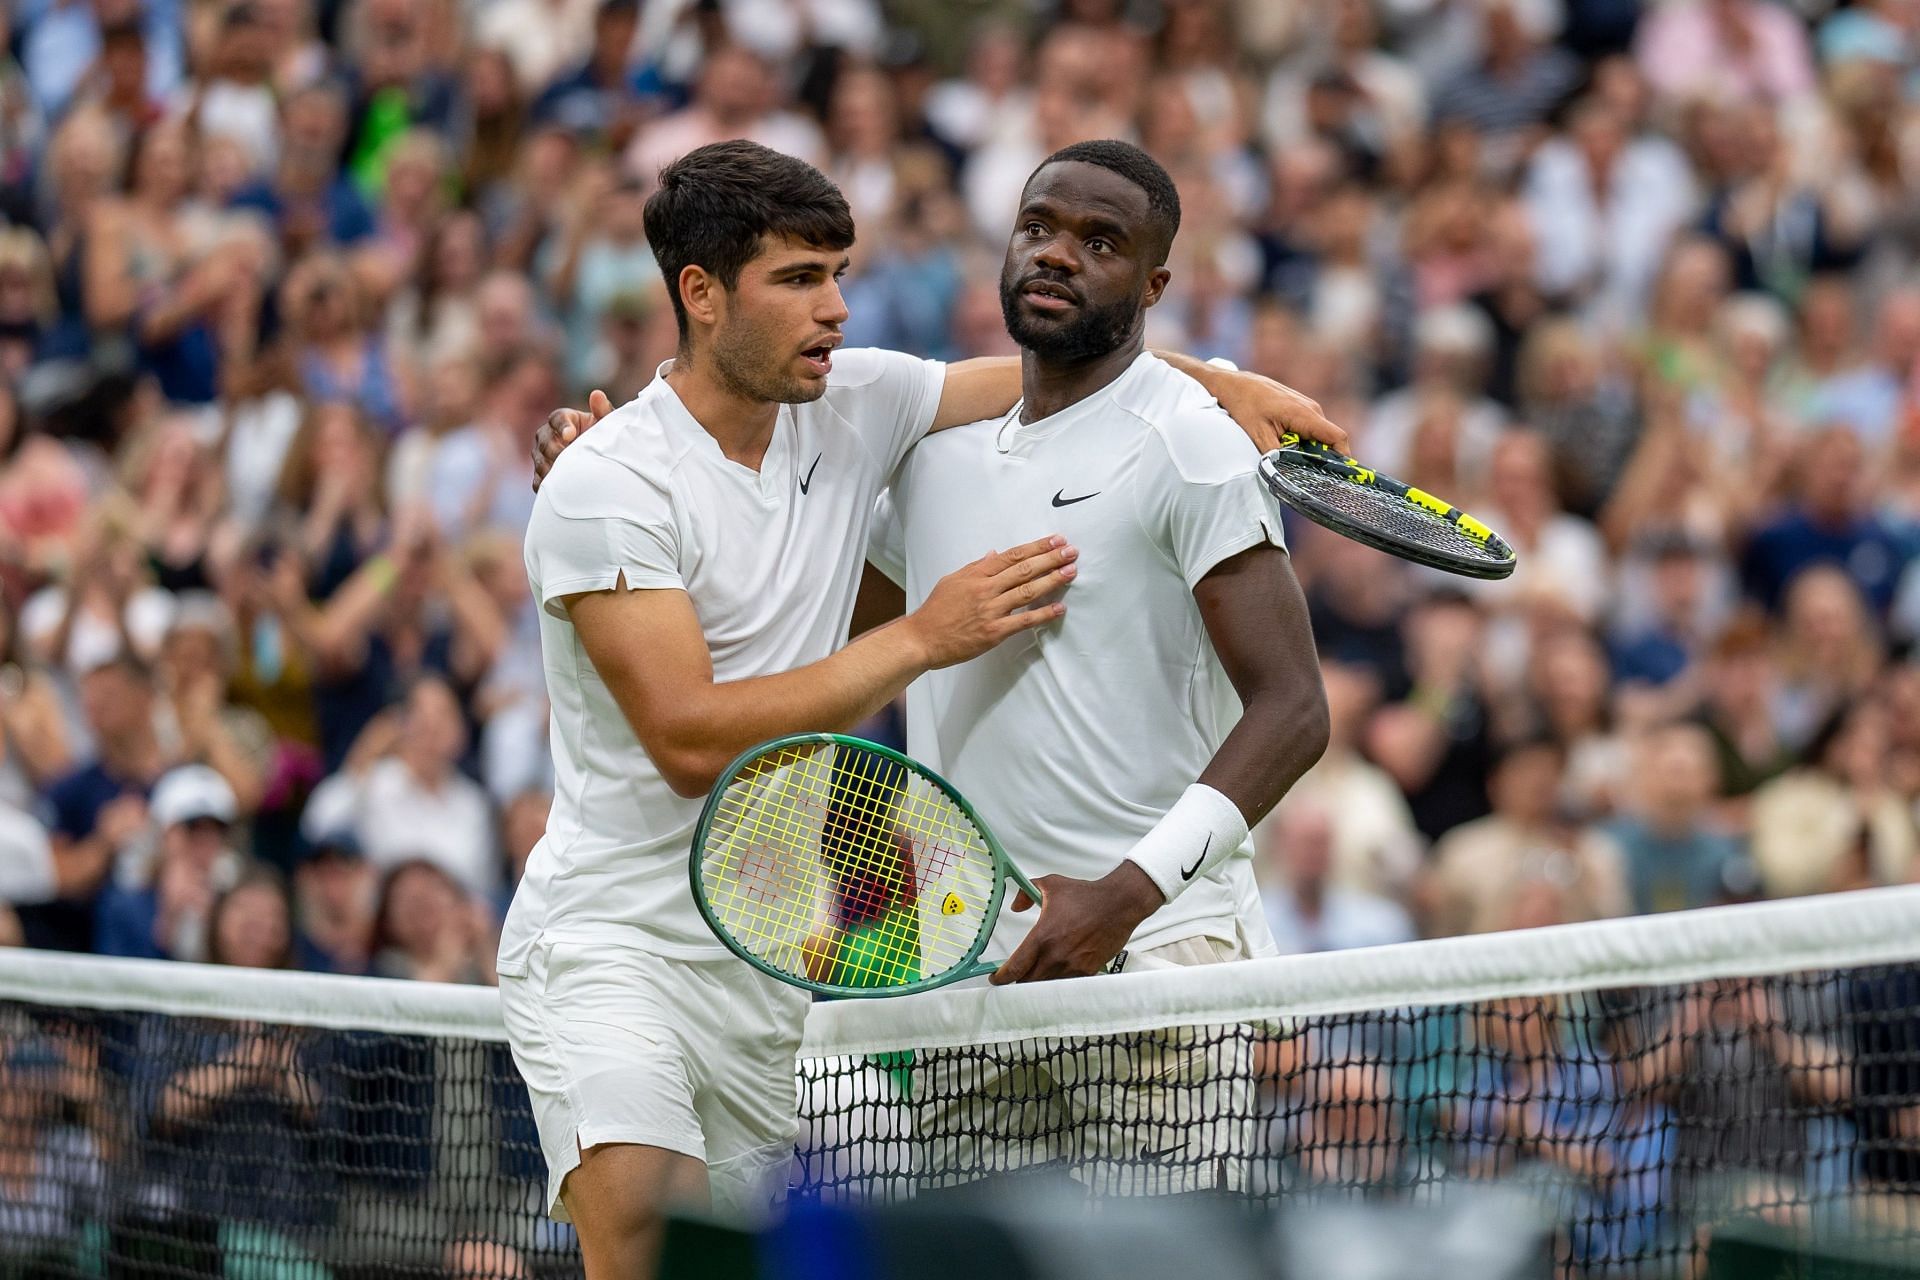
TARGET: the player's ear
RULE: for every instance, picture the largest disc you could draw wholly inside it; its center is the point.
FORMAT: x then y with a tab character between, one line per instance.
1156	285
700	294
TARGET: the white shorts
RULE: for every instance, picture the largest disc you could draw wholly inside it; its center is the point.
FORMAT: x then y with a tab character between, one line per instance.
1148	1114
694	1056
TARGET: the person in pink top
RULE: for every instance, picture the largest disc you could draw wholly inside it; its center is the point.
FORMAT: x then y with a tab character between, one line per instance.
1725	49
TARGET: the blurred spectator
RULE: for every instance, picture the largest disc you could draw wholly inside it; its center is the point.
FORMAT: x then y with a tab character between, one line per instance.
336	353
1604	204
99	812
1305	908
479	476
1675	858
1479	867
285	287
161	906
1751	1071
311	204
1831	521
52	1131
1375	846
427	928
1436	744
1812	823
734	97
1726	49
334	888
402	796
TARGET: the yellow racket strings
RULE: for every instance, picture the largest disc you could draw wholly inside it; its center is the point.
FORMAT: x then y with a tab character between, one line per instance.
818	833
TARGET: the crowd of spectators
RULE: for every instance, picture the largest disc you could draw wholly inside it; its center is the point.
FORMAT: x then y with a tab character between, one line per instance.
285	286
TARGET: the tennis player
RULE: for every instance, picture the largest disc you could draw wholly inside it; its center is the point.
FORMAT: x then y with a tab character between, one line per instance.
1125	752
696	563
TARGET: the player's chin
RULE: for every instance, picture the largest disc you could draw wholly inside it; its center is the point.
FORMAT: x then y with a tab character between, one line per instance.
805	382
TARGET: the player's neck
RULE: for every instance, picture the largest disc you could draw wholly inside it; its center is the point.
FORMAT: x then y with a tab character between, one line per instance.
740	424
1048	386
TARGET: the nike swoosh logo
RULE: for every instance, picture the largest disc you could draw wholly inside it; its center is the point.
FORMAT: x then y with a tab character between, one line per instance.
1060	501
808	478
1188	873
1162	1154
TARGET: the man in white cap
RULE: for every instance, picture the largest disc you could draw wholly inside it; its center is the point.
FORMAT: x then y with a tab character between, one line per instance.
164	914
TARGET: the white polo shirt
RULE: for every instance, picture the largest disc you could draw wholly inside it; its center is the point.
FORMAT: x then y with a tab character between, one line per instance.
771	560
1074	739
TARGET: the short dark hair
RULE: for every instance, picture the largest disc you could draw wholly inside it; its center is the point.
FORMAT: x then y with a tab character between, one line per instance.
717	204
1137	167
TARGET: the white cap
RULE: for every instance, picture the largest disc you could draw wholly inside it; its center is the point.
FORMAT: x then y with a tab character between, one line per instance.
189	792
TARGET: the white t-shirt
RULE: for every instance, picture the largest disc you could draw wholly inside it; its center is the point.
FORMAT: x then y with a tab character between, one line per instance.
771	560
397	818
1073	740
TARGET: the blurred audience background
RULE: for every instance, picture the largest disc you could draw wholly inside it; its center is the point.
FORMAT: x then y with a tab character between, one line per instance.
286	285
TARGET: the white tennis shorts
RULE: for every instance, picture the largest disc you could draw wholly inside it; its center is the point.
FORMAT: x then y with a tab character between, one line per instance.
694	1056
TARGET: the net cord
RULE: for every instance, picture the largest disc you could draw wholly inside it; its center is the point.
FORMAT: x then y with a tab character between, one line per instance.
1836	931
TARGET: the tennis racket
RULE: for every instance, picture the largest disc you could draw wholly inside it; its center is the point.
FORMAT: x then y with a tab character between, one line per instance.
844	867
1331	489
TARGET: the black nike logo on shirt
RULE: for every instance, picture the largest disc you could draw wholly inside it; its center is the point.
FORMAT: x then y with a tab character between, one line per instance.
1188	873
808	478
1060	501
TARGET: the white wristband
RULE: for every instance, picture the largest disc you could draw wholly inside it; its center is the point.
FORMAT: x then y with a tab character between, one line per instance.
1201	831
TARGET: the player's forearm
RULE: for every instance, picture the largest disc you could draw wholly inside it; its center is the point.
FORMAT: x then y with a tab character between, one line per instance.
721	720
985	387
1282	734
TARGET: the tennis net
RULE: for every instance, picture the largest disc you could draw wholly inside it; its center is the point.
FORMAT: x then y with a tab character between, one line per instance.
1647	1080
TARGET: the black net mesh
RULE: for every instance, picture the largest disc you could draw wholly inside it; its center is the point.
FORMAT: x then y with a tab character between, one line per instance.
1641	1121
137	1144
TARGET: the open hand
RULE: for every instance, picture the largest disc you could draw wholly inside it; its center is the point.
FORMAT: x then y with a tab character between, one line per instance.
562	428
977	606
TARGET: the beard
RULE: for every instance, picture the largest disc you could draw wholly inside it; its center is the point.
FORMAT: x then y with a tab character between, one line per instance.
753	364
1092	331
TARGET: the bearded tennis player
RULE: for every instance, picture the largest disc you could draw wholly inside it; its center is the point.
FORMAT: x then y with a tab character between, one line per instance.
1126	751
696	561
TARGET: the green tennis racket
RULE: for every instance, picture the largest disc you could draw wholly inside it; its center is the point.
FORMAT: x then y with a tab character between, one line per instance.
844	867
1331	489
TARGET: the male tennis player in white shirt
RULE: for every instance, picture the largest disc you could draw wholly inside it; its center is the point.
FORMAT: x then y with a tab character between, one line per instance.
1127	750
696	562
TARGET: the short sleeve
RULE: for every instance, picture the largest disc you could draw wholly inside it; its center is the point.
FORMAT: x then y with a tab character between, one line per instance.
889	399
1198	496
597	525
887	541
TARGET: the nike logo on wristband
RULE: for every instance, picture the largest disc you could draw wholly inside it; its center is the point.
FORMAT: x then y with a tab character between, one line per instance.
1188	873
808	478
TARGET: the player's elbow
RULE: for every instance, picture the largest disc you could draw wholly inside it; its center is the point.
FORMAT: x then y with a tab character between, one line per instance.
689	768
1314	723
1295	711
690	774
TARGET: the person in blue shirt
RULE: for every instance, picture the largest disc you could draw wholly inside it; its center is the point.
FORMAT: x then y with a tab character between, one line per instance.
1831	520
307	198
602	99
100	808
168	917
1675	857
1670	641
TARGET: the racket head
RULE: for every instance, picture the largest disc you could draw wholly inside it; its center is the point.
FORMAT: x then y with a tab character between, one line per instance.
1357	502
843	867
